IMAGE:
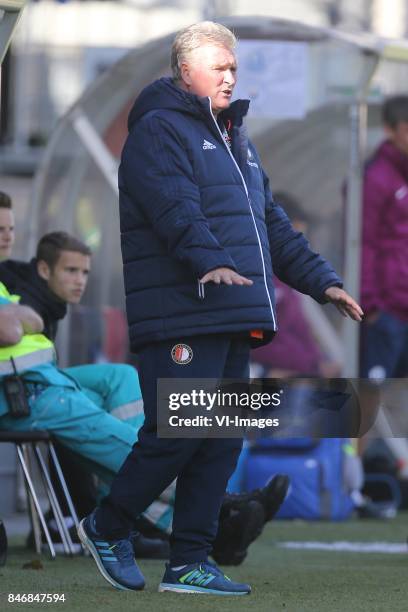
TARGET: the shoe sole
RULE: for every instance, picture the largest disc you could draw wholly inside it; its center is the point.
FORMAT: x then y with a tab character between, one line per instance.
250	532
163	587
254	527
87	542
275	495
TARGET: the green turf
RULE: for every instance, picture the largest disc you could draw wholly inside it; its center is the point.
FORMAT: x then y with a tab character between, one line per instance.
288	580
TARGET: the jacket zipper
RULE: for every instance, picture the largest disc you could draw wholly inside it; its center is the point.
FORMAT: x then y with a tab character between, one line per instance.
201	290
252	212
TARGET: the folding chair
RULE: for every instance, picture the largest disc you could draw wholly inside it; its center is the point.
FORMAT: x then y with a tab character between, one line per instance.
25	442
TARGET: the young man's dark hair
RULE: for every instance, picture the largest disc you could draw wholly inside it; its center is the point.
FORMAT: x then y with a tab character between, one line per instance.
5	200
395	111
51	245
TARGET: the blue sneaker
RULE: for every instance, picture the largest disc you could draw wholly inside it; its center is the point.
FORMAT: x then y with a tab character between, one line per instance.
114	559
203	578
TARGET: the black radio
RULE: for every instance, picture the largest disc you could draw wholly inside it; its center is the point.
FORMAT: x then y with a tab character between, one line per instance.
15	393
16	397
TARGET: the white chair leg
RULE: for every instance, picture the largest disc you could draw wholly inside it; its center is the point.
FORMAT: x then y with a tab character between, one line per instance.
22	456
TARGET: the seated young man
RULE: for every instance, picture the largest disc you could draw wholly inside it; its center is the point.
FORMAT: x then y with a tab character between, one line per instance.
58	276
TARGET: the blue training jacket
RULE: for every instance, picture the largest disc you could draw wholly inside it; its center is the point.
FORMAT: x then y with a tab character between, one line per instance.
188	205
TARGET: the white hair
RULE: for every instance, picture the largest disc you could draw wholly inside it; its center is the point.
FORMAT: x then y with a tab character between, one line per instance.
193	37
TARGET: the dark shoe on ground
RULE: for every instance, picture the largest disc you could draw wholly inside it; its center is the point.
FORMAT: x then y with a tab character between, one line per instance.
237	528
377	510
271	496
114	558
204	578
149	548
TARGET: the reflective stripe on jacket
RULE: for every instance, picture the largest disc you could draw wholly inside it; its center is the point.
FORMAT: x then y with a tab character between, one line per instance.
30	344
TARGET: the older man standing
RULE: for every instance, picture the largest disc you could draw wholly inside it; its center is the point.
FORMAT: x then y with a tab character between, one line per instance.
199	234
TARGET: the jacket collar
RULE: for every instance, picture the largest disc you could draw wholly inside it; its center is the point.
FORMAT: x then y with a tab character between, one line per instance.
165	94
395	156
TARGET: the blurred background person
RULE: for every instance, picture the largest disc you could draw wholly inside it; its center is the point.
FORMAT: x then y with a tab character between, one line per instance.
384	267
297	352
6	226
384	278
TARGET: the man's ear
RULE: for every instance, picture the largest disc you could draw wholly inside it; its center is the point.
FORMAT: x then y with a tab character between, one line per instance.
43	270
185	74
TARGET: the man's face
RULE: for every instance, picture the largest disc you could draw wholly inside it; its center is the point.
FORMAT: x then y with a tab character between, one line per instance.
6	233
211	72
399	136
69	277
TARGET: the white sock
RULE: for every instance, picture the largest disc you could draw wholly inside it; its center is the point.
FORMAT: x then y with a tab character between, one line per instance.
179	567
358	498
68	520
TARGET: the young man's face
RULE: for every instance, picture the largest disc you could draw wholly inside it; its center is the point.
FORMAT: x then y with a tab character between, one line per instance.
211	72
69	277
399	136
6	233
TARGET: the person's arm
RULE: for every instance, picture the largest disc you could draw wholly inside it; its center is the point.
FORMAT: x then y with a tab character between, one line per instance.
157	174
30	320
15	321
11	330
298	266
293	261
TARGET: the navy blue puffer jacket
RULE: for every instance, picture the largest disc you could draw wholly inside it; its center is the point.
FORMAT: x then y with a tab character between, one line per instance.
188	205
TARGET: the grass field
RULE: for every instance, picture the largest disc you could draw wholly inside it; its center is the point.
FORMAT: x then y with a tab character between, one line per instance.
281	579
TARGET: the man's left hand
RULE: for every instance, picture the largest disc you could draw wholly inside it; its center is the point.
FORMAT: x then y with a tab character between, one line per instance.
344	303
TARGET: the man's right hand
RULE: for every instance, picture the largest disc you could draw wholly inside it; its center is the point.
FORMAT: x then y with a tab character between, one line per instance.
225	276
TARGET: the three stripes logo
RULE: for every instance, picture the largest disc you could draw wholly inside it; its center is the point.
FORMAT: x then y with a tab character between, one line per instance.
208	145
197	577
106	551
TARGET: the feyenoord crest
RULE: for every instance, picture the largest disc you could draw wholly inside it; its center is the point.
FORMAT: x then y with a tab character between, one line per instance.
181	354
